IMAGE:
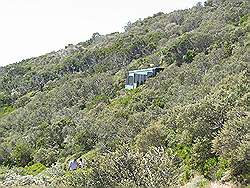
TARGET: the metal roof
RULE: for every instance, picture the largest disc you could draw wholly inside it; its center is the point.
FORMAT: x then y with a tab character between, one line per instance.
144	70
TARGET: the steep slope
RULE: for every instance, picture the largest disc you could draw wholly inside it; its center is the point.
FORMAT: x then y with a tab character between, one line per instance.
192	118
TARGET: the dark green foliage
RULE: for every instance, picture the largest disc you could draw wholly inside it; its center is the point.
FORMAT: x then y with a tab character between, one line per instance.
191	119
232	144
4	99
46	156
85	139
21	154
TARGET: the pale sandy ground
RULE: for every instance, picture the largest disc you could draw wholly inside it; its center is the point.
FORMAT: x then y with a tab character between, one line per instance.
197	181
218	185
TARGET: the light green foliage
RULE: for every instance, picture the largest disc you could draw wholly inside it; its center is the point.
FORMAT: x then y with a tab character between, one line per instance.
5	110
3	171
192	119
79	178
150	169
34	169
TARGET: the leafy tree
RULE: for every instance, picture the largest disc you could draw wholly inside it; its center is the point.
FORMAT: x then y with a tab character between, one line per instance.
21	154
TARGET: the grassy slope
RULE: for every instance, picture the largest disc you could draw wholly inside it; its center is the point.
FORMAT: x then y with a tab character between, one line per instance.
72	102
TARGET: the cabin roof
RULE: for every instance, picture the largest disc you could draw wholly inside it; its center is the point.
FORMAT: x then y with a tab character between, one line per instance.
144	70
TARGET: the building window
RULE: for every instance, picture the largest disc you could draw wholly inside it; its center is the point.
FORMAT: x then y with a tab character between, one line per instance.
130	80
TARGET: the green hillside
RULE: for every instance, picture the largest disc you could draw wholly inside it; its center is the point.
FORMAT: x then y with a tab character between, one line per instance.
192	119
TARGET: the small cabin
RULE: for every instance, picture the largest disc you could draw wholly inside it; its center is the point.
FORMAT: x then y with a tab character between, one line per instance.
138	77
